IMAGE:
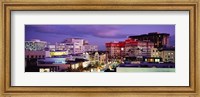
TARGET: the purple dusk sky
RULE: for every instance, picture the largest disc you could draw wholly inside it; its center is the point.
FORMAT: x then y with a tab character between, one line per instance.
95	34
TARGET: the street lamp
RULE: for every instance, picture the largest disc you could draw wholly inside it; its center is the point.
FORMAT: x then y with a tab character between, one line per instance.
122	49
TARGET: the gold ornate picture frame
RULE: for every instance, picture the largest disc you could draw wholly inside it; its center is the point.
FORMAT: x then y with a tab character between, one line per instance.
100	5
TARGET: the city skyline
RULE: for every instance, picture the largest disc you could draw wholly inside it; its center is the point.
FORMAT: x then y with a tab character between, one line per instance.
94	33
100	48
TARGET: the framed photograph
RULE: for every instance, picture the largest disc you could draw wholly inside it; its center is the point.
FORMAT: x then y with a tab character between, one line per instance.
99	48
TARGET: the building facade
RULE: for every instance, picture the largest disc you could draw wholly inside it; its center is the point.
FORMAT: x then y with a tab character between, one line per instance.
135	48
129	48
35	54
115	49
168	55
77	44
155	52
89	47
73	46
159	39
52	47
60	46
98	56
35	45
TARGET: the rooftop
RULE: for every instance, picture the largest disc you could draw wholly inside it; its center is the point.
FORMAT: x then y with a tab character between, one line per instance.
149	34
150	65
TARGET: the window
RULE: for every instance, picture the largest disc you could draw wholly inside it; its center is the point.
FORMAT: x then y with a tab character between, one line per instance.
157	60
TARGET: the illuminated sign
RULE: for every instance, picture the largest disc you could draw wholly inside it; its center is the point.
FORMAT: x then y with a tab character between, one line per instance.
58	53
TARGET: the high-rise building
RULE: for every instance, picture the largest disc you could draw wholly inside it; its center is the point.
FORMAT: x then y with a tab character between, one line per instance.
159	39
136	48
35	45
129	48
115	49
77	44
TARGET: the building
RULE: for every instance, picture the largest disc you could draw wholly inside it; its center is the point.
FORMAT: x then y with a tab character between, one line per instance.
98	56
58	53
70	48
155	52
115	49
77	44
73	46
60	46
35	45
60	64
31	58
159	39
52	64
35	54
52	47
146	67
167	54
136	48
89	47
153	59
129	48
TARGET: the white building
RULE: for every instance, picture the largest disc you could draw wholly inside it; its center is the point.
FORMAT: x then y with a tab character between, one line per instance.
60	46
77	44
52	47
168	55
70	48
90	48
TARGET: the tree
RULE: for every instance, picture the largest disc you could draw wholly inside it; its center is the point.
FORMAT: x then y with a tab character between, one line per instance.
96	64
80	68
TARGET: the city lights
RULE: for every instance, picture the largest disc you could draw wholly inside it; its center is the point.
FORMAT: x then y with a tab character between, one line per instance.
101	52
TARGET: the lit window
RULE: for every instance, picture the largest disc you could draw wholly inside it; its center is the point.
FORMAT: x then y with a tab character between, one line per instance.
157	60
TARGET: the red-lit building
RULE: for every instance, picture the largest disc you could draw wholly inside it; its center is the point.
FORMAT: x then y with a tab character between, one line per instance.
115	49
129	48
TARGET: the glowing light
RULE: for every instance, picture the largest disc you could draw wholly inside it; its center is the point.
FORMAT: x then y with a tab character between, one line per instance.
57	53
122	49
